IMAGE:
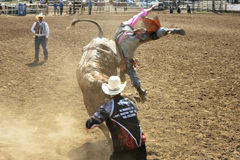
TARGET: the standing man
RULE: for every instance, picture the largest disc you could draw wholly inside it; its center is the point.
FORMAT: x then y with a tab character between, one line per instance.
61	7
41	30
121	118
55	8
90	6
41	3
178	10
188	9
70	7
171	9
30	1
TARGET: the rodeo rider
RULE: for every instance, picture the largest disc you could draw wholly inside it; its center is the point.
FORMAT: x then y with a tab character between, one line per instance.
127	41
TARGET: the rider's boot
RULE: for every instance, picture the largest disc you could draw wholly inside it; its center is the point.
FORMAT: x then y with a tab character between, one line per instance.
176	31
142	93
161	32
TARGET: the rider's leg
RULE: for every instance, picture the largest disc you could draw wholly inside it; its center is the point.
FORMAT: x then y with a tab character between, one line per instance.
145	37
135	80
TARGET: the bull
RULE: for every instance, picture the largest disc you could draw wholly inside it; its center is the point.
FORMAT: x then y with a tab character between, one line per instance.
99	61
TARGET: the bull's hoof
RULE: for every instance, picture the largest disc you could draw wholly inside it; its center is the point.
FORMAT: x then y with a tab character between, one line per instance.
138	99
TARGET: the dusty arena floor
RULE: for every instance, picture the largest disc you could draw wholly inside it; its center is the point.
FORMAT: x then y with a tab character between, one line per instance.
193	106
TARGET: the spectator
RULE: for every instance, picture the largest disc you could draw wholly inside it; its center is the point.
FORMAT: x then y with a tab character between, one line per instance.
178	10
30	1
171	9
55	8
120	115
61	7
90	3
188	9
70	7
41	3
41	31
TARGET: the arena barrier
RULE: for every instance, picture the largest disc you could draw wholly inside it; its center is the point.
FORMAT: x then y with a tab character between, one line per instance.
13	9
121	7
199	6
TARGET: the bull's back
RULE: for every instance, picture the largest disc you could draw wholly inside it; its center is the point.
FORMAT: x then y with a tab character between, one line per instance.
99	61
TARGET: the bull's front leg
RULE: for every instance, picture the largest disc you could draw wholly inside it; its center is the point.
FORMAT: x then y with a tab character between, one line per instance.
122	76
105	131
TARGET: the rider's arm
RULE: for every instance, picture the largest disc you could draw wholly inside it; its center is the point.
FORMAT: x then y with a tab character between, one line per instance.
138	17
150	9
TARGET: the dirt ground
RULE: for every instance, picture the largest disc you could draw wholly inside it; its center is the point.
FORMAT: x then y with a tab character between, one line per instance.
192	109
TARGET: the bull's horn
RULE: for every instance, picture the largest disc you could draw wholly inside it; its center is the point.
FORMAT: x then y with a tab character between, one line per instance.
100	34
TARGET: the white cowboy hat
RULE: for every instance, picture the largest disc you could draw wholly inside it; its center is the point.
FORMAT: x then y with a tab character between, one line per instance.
114	86
40	15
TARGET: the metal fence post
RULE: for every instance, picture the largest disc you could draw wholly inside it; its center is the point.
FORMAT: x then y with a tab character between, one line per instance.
221	5
213	5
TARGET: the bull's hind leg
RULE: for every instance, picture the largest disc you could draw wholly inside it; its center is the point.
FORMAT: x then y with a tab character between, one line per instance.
94	97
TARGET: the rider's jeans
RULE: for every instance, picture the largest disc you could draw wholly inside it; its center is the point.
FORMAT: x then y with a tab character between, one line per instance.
132	74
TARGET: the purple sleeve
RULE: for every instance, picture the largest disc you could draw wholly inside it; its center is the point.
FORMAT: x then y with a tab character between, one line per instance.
136	18
101	115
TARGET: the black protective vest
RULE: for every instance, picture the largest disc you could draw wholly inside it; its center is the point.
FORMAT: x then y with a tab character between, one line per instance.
124	125
42	28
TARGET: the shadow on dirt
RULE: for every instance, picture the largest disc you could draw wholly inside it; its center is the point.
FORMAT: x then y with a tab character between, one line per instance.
35	63
89	151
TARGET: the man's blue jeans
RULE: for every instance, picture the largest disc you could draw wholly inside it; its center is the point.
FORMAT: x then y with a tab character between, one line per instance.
61	10
55	11
42	41
132	73
90	10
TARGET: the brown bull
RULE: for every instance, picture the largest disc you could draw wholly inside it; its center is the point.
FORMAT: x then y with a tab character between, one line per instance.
99	61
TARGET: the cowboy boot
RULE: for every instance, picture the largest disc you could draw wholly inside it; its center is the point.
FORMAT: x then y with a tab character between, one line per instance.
176	31
163	31
142	93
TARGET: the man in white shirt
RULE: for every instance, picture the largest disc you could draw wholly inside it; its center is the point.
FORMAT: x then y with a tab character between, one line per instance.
70	7
41	30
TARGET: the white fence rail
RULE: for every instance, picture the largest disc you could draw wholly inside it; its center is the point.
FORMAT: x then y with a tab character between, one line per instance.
13	9
121	7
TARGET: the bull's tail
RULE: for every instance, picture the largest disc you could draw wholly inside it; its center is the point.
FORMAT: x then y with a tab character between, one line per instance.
100	34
